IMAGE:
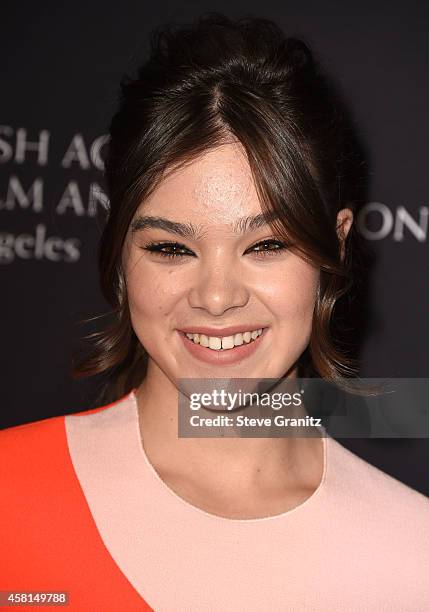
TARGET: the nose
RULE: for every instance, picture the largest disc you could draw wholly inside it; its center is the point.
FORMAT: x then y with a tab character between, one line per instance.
219	288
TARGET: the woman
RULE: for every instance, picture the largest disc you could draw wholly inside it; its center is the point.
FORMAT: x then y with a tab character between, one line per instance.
232	181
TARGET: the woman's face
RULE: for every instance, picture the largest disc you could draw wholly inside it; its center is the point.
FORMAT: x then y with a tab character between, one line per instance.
220	277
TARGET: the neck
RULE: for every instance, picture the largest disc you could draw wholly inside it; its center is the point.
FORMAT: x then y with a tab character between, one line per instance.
232	464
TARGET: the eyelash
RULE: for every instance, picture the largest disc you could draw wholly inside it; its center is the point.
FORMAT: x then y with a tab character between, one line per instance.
155	247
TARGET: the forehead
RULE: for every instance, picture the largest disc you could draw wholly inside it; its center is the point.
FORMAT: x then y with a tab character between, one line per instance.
219	183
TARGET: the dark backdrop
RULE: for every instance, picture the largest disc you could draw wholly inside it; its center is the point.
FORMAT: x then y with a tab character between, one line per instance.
60	69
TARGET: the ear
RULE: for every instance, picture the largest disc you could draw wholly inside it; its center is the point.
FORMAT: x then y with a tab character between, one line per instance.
344	223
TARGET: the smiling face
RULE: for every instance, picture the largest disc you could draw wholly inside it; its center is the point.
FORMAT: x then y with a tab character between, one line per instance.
219	277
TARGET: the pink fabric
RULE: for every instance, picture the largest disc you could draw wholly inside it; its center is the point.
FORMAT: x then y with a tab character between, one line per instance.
359	543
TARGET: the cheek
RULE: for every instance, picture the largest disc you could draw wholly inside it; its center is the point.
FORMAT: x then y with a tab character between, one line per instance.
147	309
292	294
151	294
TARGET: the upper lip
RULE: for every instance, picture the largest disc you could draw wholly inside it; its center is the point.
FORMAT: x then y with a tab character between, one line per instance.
220	333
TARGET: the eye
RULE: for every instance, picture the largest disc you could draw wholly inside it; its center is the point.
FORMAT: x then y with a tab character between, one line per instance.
279	247
158	248
175	249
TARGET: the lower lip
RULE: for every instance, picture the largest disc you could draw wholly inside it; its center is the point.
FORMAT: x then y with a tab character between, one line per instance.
224	356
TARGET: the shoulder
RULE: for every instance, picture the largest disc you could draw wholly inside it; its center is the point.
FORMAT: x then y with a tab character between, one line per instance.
36	469
31	432
21	446
37	445
381	528
374	493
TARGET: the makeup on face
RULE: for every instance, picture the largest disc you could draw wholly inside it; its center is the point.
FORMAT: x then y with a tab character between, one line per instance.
210	284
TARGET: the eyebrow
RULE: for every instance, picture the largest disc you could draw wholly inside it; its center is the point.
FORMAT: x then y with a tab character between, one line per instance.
188	230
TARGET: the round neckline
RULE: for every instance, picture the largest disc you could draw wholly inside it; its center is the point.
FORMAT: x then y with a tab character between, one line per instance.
275	517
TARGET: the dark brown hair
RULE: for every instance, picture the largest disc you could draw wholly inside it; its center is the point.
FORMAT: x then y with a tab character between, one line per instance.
205	84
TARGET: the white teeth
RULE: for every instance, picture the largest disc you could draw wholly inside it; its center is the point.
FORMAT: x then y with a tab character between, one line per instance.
228	342
215	343
204	341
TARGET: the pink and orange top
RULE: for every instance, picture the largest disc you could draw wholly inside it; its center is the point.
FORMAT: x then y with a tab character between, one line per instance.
84	512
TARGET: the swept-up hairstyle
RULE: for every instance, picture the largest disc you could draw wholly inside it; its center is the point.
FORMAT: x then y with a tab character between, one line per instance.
203	85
